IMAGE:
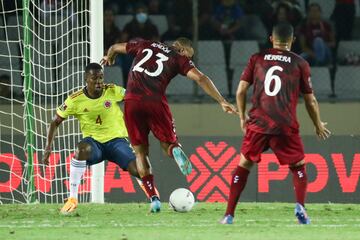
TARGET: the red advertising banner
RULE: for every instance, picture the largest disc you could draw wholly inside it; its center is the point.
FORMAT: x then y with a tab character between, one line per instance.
333	173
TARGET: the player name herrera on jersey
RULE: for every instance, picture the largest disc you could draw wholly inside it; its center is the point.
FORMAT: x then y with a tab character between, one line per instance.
281	58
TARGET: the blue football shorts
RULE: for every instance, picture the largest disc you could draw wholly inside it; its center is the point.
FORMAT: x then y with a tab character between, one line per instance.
117	150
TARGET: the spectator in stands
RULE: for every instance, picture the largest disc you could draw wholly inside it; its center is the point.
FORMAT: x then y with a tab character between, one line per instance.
111	32
344	16
286	12
317	38
140	27
5	90
179	19
227	20
205	9
294	10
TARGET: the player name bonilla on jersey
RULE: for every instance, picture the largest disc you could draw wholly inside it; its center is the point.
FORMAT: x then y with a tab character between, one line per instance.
161	46
280	58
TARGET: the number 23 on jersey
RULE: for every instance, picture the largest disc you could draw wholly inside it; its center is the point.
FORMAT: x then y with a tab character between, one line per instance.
159	61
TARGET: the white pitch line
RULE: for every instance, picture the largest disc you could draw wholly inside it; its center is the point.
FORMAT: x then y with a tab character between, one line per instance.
166	224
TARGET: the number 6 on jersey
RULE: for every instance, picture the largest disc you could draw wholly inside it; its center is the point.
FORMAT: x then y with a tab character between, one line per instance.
269	77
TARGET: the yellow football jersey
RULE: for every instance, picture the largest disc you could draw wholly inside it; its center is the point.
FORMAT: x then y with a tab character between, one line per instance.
101	118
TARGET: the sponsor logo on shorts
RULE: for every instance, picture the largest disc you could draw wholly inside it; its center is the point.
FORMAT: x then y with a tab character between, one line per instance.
107	104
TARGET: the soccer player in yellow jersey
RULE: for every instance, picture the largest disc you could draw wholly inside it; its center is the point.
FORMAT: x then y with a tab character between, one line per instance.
102	126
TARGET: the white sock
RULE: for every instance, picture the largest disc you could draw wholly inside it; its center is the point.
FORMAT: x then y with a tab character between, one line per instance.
77	170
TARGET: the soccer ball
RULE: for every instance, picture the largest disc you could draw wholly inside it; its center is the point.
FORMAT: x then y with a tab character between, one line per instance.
181	200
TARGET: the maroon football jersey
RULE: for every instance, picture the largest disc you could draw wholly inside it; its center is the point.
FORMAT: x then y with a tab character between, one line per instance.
154	65
277	77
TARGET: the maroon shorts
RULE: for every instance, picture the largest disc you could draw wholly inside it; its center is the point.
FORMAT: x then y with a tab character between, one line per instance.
143	116
288	149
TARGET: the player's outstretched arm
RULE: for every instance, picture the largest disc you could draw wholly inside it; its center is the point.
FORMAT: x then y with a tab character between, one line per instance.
241	103
114	50
50	138
208	86
312	108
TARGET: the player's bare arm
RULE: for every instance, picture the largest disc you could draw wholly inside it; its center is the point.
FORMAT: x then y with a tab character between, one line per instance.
312	108
114	50
55	123
208	86
241	103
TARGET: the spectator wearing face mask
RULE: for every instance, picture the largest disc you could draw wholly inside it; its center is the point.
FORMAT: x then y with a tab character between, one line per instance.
140	27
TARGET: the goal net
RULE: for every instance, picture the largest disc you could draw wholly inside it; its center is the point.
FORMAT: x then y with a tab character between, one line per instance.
44	47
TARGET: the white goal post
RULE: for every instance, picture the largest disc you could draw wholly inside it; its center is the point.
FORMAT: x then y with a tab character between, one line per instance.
96	53
44	48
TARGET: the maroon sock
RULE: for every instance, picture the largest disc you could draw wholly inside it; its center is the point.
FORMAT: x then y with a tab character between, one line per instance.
300	183
238	183
149	186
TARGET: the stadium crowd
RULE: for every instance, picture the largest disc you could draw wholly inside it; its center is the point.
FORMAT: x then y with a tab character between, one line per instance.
319	25
226	20
327	32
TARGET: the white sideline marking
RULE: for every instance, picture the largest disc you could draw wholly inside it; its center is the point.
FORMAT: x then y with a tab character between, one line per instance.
166	225
208	223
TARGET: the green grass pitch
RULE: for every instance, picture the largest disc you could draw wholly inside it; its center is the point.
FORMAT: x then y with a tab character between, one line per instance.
133	221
